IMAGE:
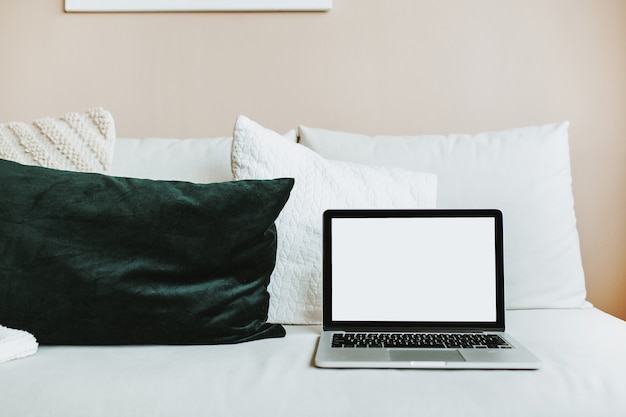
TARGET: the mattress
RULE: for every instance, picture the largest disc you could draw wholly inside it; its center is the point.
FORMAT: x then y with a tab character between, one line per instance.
583	354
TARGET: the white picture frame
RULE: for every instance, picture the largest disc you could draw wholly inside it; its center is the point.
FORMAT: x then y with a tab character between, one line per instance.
195	5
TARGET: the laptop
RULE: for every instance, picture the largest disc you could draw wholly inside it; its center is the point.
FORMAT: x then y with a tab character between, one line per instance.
415	289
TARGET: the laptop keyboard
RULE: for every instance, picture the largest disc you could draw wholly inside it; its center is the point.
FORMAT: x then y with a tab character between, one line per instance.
419	340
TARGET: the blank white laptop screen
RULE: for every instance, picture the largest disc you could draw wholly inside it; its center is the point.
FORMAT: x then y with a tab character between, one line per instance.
440	269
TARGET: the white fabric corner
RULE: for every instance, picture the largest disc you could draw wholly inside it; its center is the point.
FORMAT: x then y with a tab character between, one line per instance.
16	344
258	153
524	172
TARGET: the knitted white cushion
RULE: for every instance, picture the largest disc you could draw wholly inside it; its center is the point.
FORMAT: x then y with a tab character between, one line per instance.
74	142
296	283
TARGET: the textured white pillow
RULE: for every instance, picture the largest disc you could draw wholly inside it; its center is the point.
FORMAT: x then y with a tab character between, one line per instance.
525	172
320	184
74	142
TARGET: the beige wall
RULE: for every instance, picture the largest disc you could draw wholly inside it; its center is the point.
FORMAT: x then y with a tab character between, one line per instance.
371	66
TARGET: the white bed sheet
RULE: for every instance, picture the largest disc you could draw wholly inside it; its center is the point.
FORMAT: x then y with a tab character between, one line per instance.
583	374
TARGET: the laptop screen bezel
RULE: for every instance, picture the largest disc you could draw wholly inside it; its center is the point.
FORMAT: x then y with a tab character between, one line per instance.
329	324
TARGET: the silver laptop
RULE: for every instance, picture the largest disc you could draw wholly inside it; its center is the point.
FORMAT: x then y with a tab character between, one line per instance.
415	289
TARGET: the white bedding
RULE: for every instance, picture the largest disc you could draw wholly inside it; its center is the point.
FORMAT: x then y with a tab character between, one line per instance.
583	349
583	374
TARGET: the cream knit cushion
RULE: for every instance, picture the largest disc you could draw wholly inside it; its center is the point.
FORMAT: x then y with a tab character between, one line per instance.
75	141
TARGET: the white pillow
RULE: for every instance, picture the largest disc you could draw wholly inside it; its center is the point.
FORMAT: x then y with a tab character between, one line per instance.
195	160
524	172
74	141
199	160
295	287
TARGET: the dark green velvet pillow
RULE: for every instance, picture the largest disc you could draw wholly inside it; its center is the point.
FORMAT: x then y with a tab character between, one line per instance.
93	259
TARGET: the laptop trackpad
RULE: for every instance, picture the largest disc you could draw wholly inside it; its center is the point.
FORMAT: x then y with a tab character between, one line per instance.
420	355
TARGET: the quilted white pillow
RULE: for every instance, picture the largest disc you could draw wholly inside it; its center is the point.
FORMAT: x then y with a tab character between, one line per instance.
525	172
320	184
74	141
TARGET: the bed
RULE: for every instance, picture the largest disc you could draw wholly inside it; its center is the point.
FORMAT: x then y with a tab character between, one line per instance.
581	347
